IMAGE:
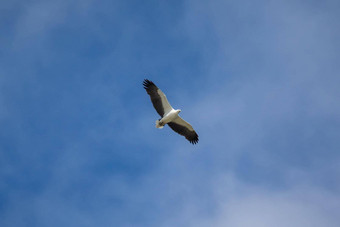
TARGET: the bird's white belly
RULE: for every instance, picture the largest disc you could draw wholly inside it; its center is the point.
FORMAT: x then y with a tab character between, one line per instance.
169	117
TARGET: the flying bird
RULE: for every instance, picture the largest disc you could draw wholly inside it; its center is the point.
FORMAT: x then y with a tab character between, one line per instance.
168	114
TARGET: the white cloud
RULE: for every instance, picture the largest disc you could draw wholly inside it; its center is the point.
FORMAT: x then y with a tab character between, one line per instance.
301	207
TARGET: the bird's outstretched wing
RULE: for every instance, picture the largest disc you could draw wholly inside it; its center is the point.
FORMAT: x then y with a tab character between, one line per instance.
185	129
158	98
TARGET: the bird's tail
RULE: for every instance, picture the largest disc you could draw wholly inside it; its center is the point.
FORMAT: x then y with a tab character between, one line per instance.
158	125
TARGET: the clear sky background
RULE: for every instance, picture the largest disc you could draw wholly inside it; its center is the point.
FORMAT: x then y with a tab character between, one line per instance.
258	80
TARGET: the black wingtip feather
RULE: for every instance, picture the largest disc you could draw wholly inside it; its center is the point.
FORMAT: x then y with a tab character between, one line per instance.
194	140
147	83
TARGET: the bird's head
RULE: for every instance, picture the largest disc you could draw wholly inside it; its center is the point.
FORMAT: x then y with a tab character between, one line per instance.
179	110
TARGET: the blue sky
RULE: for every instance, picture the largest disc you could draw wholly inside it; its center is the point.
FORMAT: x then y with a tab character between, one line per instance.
259	81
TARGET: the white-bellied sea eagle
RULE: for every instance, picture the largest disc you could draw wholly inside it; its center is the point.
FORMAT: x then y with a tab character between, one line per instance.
168	114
